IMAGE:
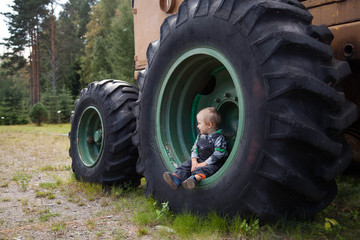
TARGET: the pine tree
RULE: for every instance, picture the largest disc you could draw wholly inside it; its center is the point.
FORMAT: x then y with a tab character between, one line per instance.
24	27
109	51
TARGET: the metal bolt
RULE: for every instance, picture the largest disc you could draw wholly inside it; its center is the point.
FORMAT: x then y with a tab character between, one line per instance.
217	100
236	99
227	95
90	140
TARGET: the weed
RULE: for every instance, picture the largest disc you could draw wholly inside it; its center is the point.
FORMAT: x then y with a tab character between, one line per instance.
5	200
90	224
28	210
330	224
119	208
354	214
55	168
104	202
24	202
187	223
90	190
50	185
45	215
119	235
150	213
143	217
216	223
48	195
142	231
116	192
23	179
58	227
164	210
244	228
101	233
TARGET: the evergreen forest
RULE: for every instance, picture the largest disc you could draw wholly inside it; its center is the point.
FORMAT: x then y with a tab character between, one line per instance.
50	57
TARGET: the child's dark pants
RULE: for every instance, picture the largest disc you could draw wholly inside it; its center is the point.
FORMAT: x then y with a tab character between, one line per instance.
183	172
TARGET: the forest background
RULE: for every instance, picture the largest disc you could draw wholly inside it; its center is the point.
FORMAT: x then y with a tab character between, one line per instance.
88	40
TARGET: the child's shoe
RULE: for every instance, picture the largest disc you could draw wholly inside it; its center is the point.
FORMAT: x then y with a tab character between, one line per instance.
173	181
189	183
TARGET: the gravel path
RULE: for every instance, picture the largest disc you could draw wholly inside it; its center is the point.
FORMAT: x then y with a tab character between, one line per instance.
40	200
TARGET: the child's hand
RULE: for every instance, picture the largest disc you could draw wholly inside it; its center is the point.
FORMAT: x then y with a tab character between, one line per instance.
200	165
194	164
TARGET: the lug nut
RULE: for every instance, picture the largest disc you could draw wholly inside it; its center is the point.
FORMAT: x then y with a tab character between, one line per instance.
90	140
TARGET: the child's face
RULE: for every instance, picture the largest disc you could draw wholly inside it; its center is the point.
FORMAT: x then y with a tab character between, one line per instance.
205	128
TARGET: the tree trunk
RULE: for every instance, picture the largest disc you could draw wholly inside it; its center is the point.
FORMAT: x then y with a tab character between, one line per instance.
53	60
31	69
33	62
37	65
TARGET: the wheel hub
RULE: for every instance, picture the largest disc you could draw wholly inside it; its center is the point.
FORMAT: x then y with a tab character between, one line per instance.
201	77
90	136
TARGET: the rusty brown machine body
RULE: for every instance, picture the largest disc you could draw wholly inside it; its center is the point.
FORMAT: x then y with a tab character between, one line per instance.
342	17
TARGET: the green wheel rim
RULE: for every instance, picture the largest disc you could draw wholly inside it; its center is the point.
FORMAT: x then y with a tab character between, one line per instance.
201	77
90	136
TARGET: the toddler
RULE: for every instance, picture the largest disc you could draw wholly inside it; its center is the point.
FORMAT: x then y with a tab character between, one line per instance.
207	155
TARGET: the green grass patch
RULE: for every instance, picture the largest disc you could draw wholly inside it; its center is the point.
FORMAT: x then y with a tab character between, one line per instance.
58	227
55	168
340	220
32	128
47	194
213	226
22	179
151	213
90	224
51	185
46	215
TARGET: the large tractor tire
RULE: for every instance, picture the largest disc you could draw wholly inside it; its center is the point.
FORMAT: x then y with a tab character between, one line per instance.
101	129
271	75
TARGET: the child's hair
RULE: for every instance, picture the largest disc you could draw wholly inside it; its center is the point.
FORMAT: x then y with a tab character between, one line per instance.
212	115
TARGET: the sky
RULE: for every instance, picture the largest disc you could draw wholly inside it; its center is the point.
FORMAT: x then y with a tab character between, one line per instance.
3	28
5	8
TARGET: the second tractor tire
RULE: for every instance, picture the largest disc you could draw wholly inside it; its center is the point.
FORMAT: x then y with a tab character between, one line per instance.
101	130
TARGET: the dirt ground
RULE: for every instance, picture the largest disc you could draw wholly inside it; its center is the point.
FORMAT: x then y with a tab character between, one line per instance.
39	199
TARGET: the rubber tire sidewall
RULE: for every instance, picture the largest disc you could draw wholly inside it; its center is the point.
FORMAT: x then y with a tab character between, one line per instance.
237	51
94	173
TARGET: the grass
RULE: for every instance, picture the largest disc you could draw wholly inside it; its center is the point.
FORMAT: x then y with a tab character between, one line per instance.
50	185
22	179
55	168
46	194
90	224
58	227
340	220
46	215
32	128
